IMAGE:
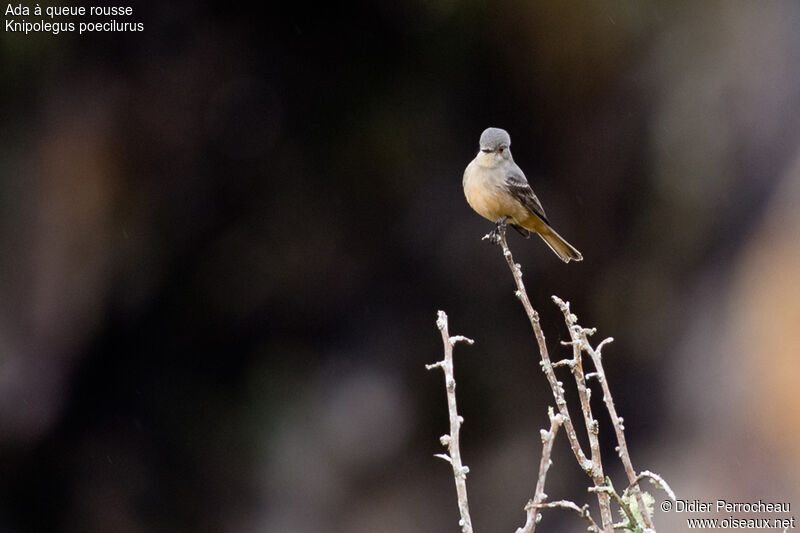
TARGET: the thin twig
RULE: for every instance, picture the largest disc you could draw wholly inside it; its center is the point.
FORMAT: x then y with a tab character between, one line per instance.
532	509
580	337
609	489
656	480
451	440
619	429
572	506
592	427
589	466
547	366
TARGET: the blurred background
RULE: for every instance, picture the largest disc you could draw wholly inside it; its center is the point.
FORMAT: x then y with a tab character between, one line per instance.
224	240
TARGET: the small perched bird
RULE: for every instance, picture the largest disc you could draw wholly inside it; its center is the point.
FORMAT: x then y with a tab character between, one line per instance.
496	189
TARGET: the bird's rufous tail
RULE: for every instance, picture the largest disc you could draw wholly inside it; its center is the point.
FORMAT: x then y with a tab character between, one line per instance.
564	250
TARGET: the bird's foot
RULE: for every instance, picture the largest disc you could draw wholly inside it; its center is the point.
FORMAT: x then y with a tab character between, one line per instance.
499	230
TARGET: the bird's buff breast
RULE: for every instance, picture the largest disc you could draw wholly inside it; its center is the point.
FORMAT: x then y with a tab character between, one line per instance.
488	200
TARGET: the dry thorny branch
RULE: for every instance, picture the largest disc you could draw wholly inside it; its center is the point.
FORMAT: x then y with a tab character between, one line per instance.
635	505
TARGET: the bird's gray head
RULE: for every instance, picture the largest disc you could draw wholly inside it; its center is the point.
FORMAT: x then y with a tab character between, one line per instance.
496	140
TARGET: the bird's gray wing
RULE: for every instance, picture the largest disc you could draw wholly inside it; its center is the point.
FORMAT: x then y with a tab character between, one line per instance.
519	188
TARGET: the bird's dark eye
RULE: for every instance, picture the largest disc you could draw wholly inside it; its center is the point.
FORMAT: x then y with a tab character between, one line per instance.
500	149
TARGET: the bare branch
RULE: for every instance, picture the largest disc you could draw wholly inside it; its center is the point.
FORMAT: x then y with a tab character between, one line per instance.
532	509
656	480
451	441
609	489
592	426
572	506
593	467
579	336
636	514
547	366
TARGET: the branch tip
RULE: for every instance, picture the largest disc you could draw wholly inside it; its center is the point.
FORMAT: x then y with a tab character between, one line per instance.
607	340
451	439
656	480
441	320
460	338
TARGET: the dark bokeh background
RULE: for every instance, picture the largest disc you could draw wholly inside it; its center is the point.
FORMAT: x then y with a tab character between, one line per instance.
223	242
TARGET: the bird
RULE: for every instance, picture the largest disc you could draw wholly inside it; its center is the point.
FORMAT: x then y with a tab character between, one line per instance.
496	188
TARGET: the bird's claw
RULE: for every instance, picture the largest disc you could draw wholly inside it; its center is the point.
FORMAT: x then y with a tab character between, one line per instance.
499	230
